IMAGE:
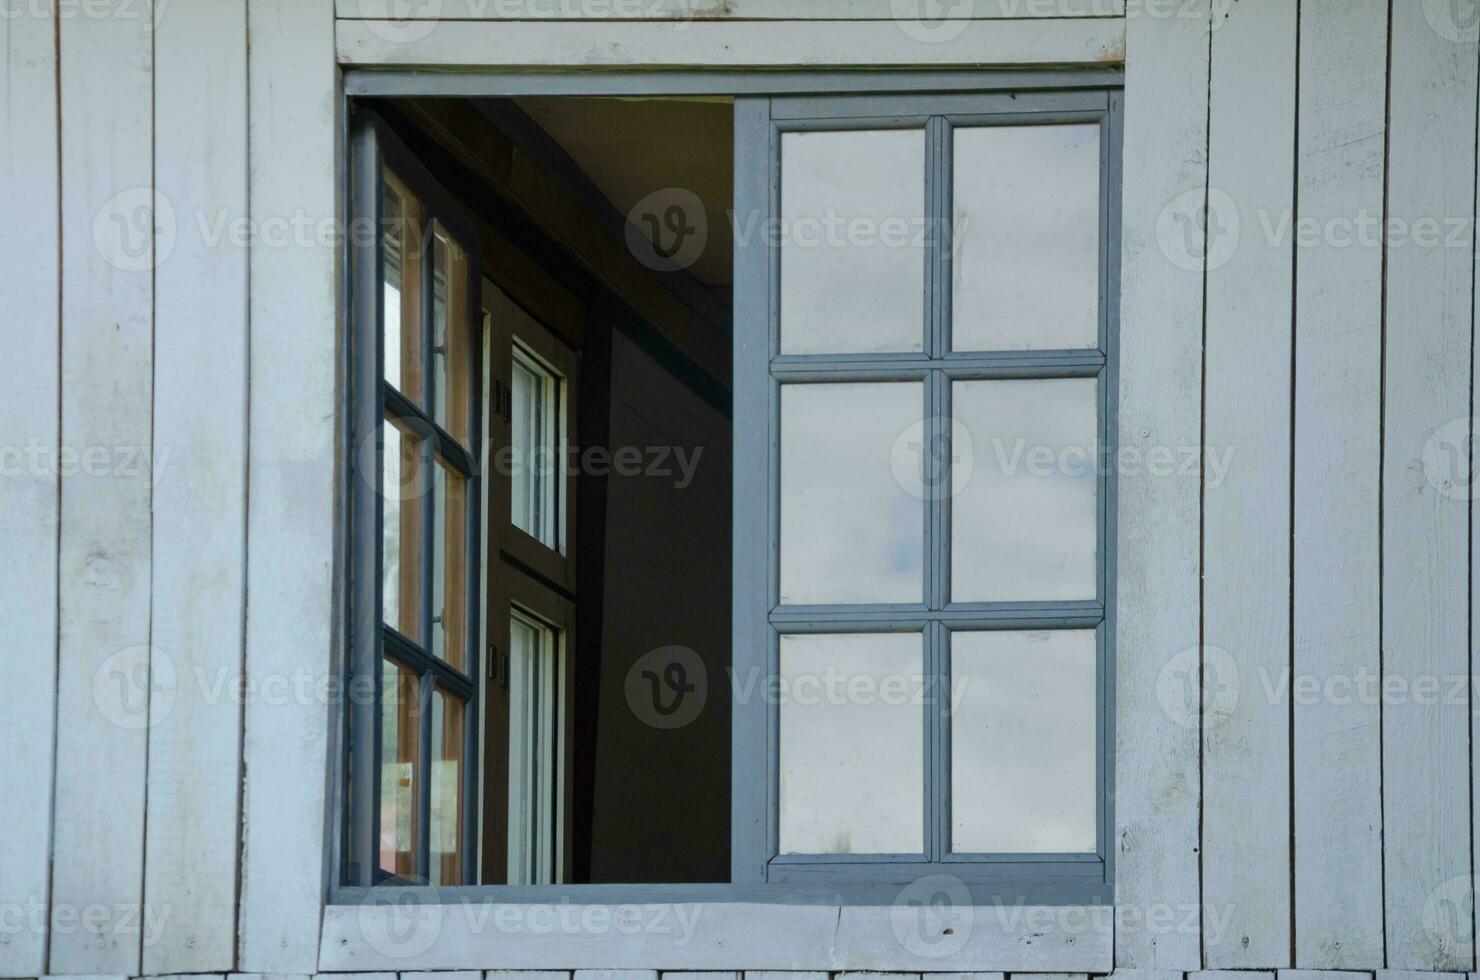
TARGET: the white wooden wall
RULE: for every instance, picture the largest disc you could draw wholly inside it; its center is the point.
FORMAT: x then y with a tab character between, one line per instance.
168	424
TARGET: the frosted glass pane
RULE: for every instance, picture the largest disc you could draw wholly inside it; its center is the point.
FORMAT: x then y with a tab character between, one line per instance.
853	245
850	530
1027	229
1023	745
852	748
1023	526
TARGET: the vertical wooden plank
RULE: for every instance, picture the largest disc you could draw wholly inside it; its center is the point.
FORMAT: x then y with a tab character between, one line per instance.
29	452
104	686
1338	405
1156	767
1425	533
292	443
200	544
1246	508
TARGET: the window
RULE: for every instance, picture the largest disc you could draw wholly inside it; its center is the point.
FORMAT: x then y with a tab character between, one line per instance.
420	492
912	527
929	411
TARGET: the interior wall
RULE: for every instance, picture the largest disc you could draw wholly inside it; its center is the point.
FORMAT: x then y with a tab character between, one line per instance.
662	796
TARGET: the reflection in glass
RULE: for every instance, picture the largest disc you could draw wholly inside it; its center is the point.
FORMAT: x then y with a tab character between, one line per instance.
850	530
449	566
1027	229
401	530
1023	745
534	425
446	809
399	734
1023	526
852	744
853	245
534	750
401	290
450	339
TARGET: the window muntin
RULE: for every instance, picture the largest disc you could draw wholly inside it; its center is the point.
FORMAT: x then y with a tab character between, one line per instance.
1009	541
426	527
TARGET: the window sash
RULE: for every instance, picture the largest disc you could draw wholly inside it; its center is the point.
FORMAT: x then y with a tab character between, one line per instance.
760	371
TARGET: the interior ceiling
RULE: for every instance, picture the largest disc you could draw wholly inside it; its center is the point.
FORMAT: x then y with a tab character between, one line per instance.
633	147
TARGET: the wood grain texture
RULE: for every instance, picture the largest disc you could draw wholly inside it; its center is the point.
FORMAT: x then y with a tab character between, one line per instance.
104	684
1246	512
200	329
1156	750
707	936
1425	593
29	453
1069	41
291	504
1338	408
688	10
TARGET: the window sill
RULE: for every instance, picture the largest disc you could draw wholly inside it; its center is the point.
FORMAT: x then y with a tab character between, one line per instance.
908	936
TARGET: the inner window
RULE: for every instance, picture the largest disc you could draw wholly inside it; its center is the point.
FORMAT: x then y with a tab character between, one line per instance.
797	582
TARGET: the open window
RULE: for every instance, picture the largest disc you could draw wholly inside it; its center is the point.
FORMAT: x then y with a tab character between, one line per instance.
775	562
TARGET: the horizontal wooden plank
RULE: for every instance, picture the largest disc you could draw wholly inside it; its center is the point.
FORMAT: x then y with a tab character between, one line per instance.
1071	41
698	10
709	936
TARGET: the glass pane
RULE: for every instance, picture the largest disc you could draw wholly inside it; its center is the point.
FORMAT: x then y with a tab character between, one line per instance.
446	822
400	563
535	418
450	335
852	744
1023	520
534	750
399	734
852	530
401	256
1023	744
853	242
1027	227
450	567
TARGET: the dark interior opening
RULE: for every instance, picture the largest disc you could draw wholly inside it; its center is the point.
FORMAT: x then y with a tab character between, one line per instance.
605	227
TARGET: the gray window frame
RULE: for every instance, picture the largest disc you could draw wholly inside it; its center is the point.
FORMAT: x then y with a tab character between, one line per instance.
760	372
766	104
374	149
